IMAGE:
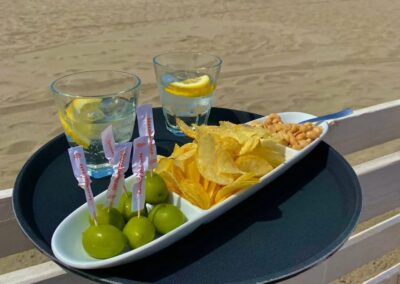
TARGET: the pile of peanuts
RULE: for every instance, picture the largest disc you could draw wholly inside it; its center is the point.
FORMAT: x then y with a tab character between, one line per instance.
296	136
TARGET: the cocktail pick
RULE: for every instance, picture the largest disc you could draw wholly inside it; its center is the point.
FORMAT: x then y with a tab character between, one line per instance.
146	128
120	163
78	163
109	146
108	142
140	163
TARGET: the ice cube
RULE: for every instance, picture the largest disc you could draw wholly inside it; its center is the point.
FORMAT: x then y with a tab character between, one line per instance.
167	78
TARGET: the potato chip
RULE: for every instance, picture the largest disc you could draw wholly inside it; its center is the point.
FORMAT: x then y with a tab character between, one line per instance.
269	150
206	160
187	155
254	164
195	193
185	159
205	183
176	151
191	171
229	144
242	132
179	150
178	172
225	164
186	129
212	191
243	182
164	169
249	145
220	162
164	164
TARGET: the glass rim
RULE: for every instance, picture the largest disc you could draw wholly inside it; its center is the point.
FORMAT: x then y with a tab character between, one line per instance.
217	58
57	91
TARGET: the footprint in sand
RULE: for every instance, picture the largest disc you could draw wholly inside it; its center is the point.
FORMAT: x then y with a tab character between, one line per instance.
18	147
20	124
246	80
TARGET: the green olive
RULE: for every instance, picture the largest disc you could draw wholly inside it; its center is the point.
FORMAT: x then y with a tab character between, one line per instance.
125	207
103	241
166	217
139	231
156	189
109	216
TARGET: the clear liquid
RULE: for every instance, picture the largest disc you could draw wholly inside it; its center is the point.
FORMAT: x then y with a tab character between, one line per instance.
192	110
88	125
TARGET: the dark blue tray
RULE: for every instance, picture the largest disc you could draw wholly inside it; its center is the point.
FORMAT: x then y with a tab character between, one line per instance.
293	223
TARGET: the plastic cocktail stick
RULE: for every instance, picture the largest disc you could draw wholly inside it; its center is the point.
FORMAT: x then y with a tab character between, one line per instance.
120	164
146	128
140	163
108	142
109	147
78	163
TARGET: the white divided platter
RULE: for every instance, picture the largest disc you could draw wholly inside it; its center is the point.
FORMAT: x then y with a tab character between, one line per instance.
66	242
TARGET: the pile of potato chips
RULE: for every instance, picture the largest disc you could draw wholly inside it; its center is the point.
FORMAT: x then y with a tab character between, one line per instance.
221	161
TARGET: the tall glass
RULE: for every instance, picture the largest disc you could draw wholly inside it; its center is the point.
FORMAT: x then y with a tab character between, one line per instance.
186	83
90	101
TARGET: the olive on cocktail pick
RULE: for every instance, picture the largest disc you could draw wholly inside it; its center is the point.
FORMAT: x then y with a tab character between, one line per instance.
108	216
156	189
125	207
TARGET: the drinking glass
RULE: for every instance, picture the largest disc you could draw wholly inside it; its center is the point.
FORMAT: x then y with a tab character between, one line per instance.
186	83
90	101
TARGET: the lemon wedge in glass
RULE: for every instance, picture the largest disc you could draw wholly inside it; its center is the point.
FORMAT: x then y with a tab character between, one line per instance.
86	110
78	120
77	137
194	87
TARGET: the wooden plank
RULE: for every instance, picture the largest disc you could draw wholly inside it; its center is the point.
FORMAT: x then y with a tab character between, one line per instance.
68	278
12	239
357	251
32	274
48	272
365	128
380	183
6	210
389	276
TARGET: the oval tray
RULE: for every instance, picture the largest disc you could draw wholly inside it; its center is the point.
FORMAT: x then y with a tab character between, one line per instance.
288	226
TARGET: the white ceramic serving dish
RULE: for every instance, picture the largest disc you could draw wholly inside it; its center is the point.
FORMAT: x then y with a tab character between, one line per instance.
66	241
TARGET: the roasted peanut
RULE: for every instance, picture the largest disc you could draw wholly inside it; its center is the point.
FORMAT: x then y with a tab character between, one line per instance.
294	128
303	143
312	134
300	136
293	135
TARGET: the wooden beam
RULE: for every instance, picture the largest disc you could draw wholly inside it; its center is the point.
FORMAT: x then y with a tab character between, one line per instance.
380	183
32	274
12	239
365	128
389	276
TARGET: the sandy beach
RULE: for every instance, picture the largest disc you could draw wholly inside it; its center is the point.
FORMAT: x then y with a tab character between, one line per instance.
310	56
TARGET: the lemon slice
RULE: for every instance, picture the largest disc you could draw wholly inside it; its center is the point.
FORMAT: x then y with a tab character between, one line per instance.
79	117
85	110
194	87
75	135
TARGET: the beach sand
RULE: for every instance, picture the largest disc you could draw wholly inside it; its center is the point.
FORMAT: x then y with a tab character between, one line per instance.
310	56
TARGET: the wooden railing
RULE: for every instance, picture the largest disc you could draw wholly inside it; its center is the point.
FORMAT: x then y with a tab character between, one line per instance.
379	179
